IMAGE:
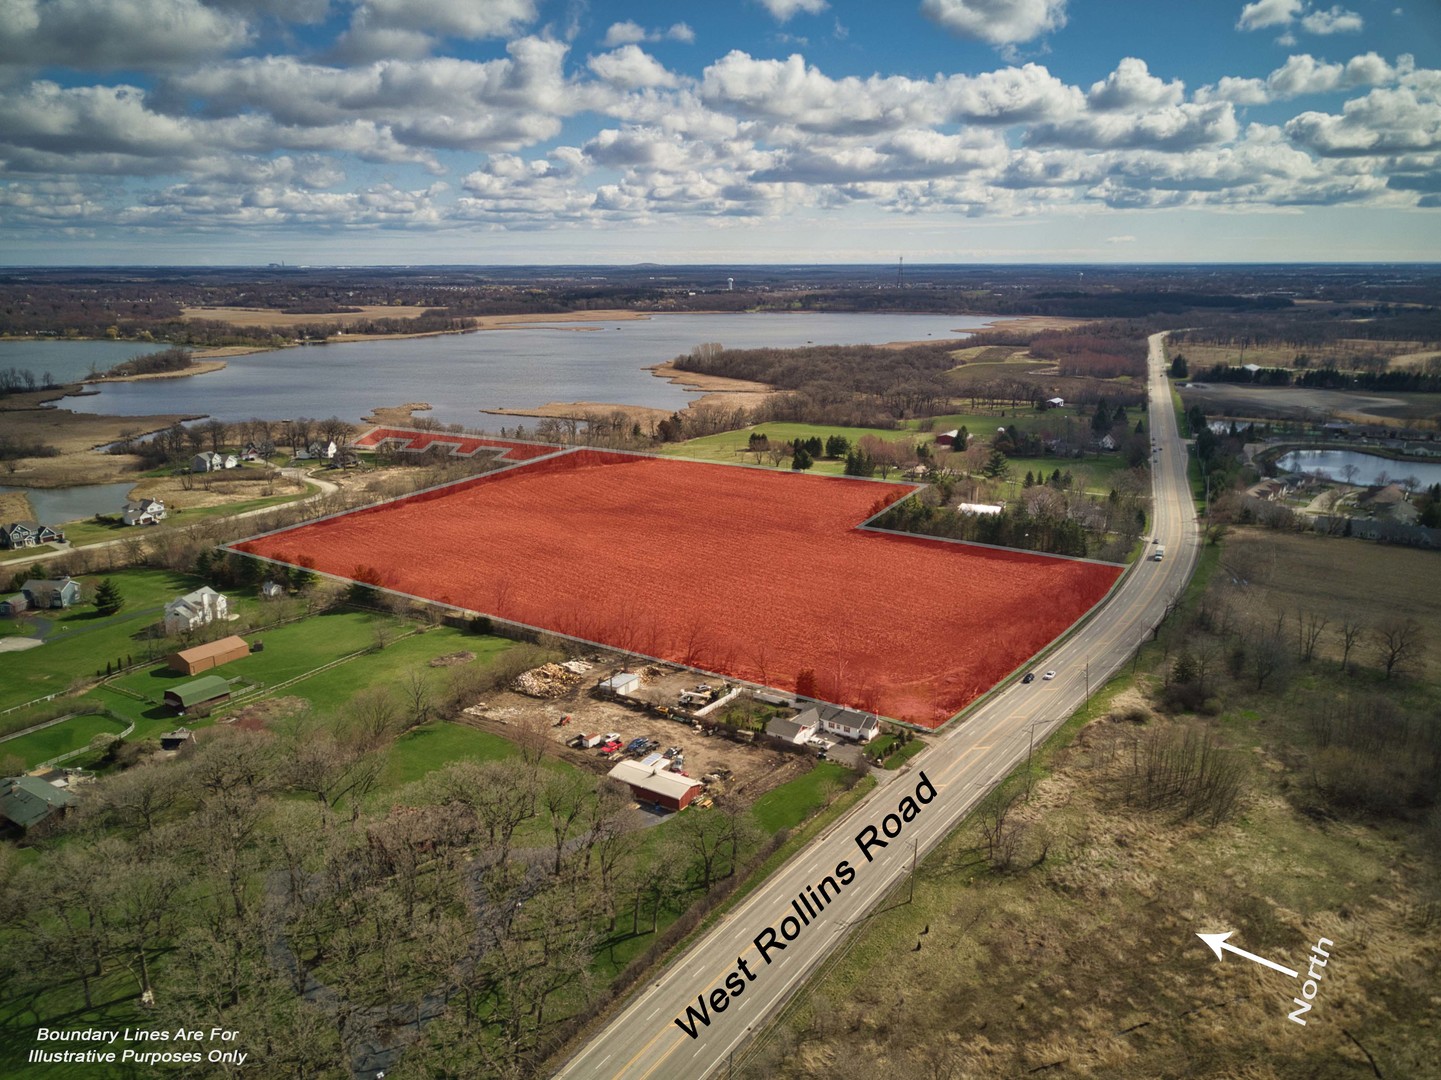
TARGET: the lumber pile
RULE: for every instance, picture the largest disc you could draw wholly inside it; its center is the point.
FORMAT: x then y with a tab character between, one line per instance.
546	681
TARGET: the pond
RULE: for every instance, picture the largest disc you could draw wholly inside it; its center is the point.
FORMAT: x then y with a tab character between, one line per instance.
68	361
54	506
462	374
1370	468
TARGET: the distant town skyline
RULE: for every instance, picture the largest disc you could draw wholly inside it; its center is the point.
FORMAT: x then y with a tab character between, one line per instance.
363	132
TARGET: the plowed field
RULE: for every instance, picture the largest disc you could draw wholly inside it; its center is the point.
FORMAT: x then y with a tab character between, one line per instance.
752	573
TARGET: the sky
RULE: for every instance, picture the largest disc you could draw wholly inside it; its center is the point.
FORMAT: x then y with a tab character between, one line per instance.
390	132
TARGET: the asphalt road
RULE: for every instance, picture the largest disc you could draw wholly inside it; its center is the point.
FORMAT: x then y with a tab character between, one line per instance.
644	1042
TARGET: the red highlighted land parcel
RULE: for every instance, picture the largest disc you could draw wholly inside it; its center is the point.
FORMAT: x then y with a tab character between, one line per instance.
756	574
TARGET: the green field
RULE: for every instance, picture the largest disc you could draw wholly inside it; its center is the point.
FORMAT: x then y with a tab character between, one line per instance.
72	734
88	531
81	640
436	745
788	805
730	446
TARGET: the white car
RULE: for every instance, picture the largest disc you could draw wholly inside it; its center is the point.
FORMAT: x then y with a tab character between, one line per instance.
1048	675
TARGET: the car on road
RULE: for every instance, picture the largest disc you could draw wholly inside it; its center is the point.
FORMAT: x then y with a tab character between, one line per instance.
1048	676
1028	677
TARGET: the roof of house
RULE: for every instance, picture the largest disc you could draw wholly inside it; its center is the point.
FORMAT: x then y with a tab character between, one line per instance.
198	690
662	782
26	800
219	647
193	599
29	526
834	714
789	729
47	583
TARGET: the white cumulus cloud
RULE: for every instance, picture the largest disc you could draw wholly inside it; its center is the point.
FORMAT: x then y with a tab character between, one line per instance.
997	22
1335	21
784	9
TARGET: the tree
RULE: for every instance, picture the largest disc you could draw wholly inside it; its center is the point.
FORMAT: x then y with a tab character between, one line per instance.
837	446
996	466
801	459
108	599
1398	643
1179	370
1101	421
1350	632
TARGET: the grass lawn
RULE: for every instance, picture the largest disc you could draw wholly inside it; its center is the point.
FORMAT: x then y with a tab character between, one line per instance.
21	554
82	640
434	746
90	532
70	735
730	446
1095	473
787	806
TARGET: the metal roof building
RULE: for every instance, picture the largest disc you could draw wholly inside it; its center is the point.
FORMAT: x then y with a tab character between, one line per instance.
29	800
656	785
198	696
211	654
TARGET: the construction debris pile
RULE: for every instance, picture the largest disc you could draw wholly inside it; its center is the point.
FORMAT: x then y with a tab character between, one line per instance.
546	681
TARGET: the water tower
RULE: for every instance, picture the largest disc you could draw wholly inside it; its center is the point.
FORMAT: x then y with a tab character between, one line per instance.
730	284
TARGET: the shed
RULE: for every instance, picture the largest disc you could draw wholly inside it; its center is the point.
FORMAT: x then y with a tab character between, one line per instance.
14	605
28	800
210	655
177	739
622	682
948	438
659	787
199	696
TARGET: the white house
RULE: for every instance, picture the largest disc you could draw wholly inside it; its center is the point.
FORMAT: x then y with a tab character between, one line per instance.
212	462
144	511
798	731
271	589
1056	402
857	726
194	610
1108	442
319	451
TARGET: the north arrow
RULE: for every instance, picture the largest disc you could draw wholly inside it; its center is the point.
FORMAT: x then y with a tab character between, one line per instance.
1218	943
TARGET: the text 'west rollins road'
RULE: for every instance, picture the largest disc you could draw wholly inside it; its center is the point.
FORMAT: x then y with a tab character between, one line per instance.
805	907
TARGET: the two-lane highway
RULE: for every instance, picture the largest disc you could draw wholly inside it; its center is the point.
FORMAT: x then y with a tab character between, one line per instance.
731	981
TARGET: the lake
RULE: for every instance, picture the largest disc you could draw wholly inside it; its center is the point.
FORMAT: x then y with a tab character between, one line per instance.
69	361
461	374
54	506
1369	466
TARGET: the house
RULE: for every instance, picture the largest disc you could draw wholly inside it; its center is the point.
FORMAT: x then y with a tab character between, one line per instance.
319	451
657	785
272	590
948	438
621	684
979	508
1056	402
199	696
14	605
178	739
799	730
857	726
212	462
28	801
143	511
27	534
210	655
1108	442
194	610
51	593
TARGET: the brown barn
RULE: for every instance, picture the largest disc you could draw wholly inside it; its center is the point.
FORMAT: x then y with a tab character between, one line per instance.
207	656
655	785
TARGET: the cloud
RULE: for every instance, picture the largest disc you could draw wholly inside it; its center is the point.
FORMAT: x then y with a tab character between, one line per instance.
784	9
632	33
1172	128
1264	13
1385	121
471	19
91	35
997	22
1336	21
631	68
1128	239
1132	86
1300	75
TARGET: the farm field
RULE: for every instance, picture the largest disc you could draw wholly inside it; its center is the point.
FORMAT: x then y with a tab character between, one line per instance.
756	574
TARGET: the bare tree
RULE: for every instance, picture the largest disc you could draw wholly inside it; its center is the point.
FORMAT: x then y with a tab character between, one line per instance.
1398	643
1309	626
1350	632
565	797
419	697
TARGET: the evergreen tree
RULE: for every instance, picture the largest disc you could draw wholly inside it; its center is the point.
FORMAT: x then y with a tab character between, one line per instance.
1178	367
837	446
997	467
801	459
1101	422
859	463
108	600
1030	480
1140	428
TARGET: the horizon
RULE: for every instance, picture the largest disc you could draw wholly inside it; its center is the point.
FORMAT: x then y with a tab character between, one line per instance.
765	132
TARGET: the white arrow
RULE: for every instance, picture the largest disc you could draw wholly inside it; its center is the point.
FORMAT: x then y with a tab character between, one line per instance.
1218	943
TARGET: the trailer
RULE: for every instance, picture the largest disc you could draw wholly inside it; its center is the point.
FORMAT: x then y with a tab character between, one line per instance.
587	742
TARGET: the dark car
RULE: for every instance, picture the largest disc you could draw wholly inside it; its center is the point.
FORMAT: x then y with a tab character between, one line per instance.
1029	676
